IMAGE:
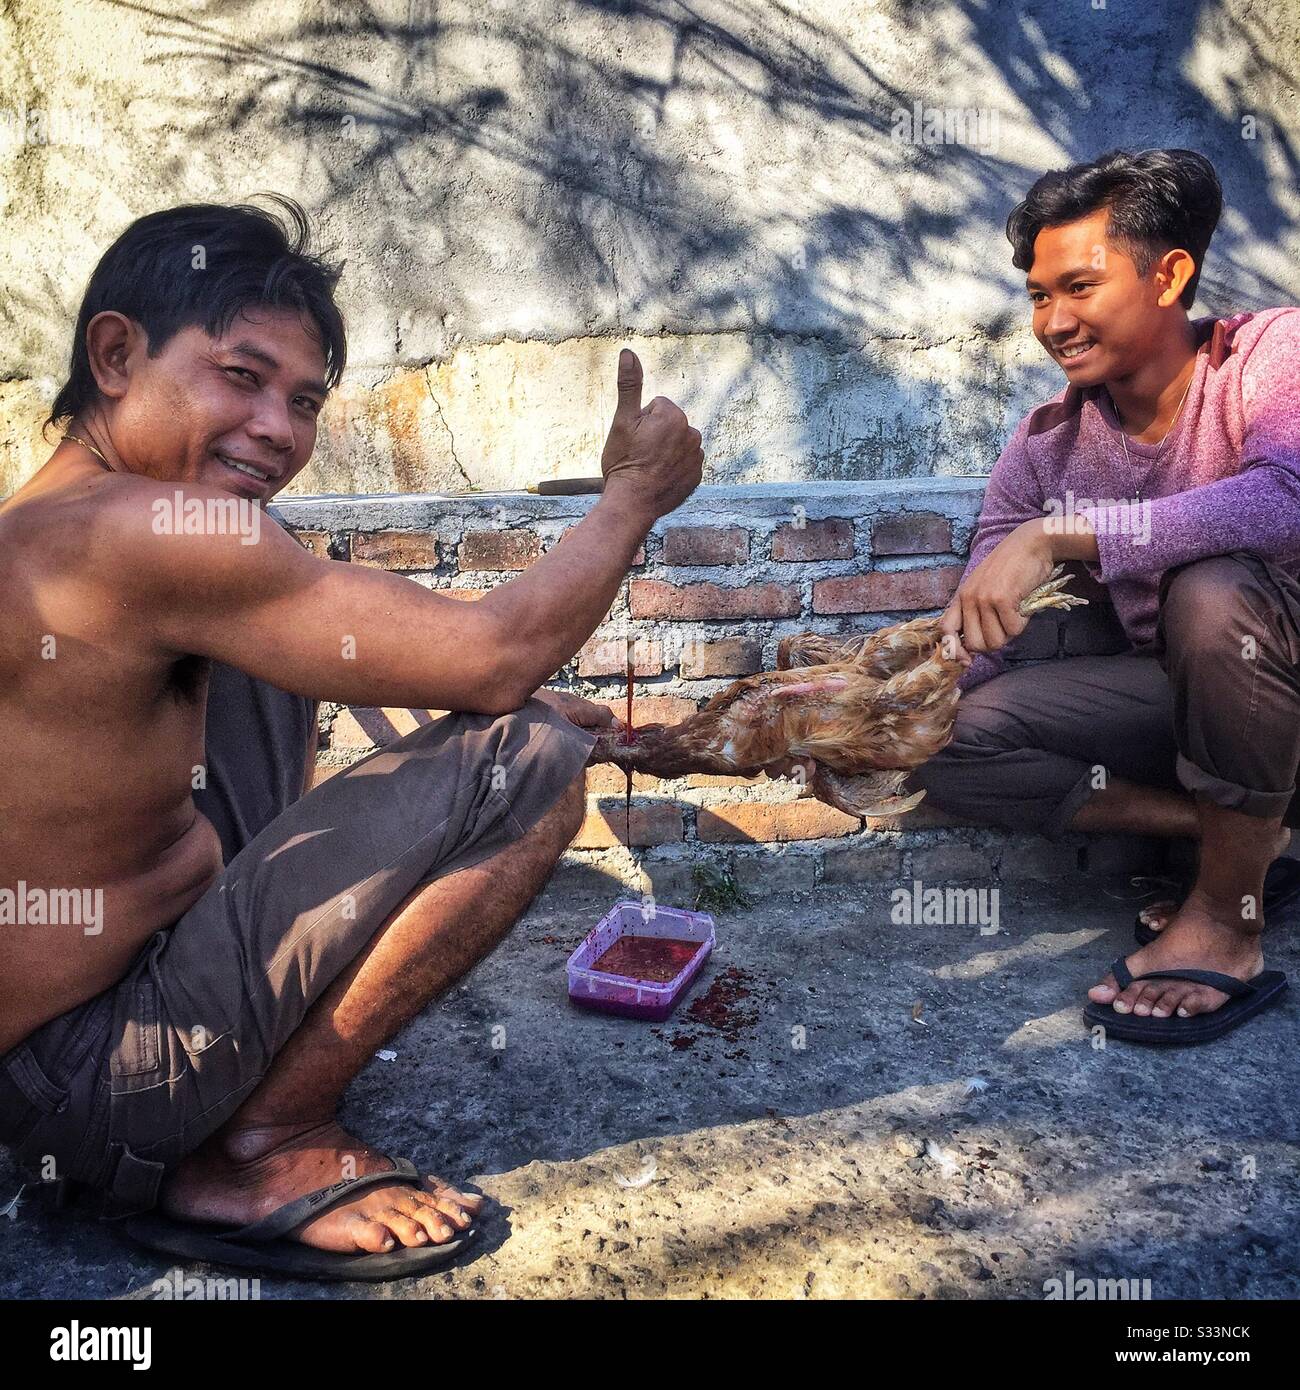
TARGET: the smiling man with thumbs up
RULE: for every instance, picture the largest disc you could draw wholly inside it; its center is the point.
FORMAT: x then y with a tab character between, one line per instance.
255	947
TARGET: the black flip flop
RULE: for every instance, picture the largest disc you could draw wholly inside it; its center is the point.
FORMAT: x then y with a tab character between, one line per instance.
1246	999
1281	891
261	1246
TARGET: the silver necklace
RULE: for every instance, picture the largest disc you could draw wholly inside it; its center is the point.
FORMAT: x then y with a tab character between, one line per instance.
1163	438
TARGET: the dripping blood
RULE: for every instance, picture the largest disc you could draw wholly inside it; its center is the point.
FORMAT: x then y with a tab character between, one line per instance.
628	737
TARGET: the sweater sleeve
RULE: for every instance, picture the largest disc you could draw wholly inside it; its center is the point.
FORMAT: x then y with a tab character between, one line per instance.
1013	496
1256	509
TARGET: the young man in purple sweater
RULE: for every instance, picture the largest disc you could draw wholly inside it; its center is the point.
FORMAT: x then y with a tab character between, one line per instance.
1168	471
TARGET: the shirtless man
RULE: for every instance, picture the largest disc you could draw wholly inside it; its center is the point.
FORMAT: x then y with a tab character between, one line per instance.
183	1043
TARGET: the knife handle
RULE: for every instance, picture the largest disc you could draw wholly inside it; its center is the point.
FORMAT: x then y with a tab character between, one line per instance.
568	487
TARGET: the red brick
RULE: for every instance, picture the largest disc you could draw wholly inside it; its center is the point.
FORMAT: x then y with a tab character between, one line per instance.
652	598
815	540
604	779
652	709
657	824
732	656
706	545
395	550
464	595
608	657
318	542
887	591
498	550
911	533
759	821
368	727
709	779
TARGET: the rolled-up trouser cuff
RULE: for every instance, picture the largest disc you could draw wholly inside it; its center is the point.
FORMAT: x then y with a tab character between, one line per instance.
1231	795
1057	825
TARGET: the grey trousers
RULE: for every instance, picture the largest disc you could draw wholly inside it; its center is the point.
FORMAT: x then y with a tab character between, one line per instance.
118	1090
1212	706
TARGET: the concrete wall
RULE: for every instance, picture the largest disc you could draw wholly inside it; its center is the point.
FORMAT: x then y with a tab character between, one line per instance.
716	586
519	185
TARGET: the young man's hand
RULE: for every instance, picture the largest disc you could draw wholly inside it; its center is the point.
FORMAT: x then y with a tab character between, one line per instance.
985	612
652	455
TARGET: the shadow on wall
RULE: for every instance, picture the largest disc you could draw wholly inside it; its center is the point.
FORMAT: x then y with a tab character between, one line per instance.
583	168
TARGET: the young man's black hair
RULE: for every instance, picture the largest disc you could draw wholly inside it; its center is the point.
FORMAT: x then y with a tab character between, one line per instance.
1156	200
199	265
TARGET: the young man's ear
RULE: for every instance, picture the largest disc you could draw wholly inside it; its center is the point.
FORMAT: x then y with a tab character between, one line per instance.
1172	272
111	338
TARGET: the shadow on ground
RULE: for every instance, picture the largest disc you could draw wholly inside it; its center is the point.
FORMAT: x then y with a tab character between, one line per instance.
830	1142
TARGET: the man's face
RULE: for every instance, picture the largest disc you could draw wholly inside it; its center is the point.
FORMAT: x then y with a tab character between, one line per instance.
236	412
1086	292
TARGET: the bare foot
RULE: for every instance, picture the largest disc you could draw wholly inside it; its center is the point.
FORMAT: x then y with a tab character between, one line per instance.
1157	915
245	1176
1200	935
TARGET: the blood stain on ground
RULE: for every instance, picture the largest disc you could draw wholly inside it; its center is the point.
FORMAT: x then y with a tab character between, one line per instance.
719	1007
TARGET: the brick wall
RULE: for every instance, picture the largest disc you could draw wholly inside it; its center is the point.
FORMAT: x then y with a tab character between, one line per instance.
712	592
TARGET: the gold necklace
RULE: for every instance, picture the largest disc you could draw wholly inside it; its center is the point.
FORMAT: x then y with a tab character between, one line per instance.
76	439
1163	438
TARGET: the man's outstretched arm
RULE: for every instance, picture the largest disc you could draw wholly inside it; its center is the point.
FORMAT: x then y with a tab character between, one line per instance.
336	631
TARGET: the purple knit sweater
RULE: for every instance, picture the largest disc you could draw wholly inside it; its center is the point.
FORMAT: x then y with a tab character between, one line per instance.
1228	479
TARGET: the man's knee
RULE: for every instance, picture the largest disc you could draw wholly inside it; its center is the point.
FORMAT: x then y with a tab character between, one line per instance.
571	808
984	726
1207	603
982	731
562	752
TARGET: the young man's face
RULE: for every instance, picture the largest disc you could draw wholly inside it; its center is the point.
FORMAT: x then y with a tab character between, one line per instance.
1086	292
236	412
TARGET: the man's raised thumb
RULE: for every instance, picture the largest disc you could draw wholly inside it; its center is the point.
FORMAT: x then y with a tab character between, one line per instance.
629	385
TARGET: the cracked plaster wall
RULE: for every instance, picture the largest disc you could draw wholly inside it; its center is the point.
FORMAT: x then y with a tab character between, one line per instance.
519	188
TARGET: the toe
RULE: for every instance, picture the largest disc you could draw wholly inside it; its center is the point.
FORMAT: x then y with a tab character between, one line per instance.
472	1202
1144	1000
1104	992
404	1227
1167	1003
454	1213
429	1221
1200	1000
437	1228
1126	1000
369	1235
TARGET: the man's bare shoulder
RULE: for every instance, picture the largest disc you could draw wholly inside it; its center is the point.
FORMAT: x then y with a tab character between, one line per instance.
143	533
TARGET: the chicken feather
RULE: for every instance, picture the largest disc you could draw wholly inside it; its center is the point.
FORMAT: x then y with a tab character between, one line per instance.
865	709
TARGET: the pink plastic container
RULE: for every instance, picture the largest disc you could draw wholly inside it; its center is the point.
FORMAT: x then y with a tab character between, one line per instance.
624	994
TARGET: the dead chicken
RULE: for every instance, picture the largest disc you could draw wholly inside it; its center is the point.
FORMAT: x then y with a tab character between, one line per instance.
865	710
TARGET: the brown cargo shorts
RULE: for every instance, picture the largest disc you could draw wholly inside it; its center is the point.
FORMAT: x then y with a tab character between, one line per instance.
116	1091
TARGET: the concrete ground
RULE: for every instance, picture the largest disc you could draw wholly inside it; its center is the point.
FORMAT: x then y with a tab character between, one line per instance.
890	1112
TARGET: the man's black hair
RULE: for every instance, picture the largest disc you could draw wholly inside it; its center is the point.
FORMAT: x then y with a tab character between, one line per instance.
199	265
1155	200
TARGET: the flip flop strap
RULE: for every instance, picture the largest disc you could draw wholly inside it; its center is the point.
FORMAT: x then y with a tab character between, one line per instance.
1228	984
281	1221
